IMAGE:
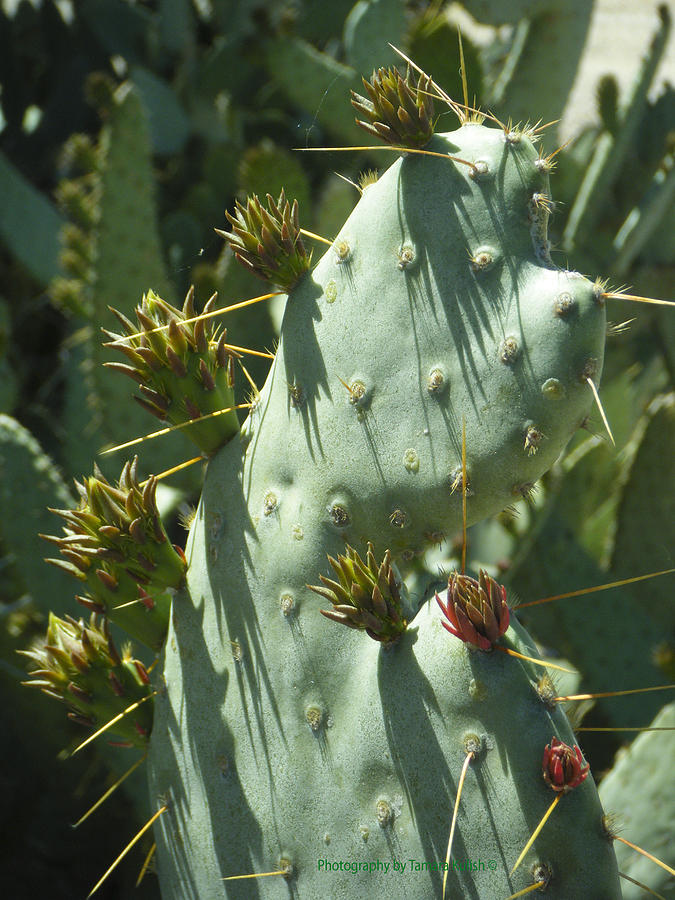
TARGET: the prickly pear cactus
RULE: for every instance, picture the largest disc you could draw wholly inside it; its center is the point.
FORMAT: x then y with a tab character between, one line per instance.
286	742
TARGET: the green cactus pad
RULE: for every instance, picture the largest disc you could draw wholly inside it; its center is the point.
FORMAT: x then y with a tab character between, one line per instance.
128	261
333	749
450	261
436	312
639	796
30	482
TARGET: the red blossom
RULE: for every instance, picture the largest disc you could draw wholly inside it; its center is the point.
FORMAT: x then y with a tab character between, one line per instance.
563	767
476	611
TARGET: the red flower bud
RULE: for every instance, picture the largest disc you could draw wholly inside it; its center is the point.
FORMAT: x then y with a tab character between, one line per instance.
476	611
563	767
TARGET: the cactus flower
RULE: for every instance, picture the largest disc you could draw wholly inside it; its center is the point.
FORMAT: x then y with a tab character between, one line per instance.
476	611
183	366
563	767
267	241
115	543
367	596
77	662
398	109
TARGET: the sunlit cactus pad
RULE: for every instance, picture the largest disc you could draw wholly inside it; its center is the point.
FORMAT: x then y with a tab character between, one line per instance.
435	319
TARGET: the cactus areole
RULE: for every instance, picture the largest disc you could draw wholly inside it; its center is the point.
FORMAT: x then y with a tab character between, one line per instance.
287	743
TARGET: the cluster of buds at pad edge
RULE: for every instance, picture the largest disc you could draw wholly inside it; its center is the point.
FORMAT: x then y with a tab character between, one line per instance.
476	611
563	767
399	111
268	241
115	543
184	368
367	596
79	664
